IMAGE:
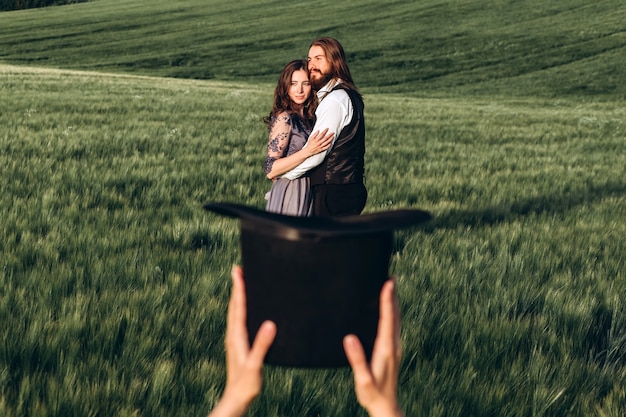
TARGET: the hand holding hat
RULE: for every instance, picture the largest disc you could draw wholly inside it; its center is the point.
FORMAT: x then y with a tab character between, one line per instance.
243	363
375	382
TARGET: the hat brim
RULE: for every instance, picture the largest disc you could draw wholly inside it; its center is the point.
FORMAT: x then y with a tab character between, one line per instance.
294	228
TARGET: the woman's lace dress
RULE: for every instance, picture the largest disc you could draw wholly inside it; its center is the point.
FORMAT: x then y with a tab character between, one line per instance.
288	134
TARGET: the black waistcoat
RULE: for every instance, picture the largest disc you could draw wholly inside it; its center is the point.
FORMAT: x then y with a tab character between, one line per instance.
345	163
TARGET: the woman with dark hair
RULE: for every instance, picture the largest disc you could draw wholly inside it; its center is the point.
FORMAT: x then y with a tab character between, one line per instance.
290	123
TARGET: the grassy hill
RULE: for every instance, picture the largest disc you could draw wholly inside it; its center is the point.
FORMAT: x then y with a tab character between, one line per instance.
431	47
114	281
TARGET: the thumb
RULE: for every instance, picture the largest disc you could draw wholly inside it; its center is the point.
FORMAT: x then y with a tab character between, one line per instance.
356	356
263	341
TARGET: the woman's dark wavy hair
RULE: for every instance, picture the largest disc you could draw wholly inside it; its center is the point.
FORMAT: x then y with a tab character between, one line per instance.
337	58
282	102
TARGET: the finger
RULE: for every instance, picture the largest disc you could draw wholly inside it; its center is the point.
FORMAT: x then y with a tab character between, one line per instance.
234	301
356	358
318	133
388	333
262	342
317	137
386	320
397	320
236	331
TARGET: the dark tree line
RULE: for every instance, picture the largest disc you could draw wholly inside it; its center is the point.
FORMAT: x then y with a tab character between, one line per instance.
6	5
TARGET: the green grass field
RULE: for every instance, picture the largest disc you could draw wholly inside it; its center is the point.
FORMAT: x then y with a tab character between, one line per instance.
114	281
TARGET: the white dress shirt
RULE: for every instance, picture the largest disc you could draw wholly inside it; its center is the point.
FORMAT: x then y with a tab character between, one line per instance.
333	112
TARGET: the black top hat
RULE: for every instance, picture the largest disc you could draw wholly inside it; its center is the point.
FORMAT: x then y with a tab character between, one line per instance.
318	279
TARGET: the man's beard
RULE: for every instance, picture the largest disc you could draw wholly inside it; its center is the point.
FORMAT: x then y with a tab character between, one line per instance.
320	80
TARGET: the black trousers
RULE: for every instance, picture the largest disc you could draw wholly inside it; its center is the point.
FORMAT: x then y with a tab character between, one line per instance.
334	200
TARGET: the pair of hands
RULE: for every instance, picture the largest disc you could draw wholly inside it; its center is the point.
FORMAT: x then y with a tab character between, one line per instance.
375	383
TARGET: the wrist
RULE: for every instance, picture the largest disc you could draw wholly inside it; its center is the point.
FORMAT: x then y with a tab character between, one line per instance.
384	409
230	405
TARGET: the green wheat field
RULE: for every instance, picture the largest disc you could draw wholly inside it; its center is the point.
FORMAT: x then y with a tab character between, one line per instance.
505	119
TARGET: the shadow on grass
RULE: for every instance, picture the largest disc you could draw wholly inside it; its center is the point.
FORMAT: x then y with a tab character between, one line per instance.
598	337
544	204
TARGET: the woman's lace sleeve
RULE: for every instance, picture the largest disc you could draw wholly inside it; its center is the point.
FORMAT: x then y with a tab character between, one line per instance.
278	143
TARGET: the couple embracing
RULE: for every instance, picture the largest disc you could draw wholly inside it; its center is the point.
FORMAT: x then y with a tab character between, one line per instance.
316	146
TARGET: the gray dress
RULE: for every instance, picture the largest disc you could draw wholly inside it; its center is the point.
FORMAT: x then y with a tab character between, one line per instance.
290	197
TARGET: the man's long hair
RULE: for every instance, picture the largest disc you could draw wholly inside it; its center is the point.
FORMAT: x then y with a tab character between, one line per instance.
337	58
282	101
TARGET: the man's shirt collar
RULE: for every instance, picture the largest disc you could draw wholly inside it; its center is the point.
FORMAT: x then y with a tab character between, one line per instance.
321	93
